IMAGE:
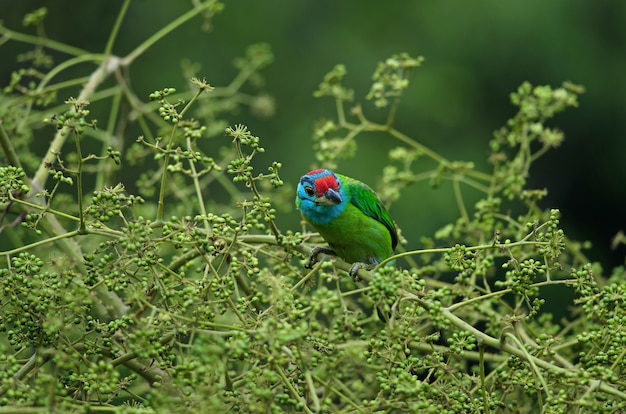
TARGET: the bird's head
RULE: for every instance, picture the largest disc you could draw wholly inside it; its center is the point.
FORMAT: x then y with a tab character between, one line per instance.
320	196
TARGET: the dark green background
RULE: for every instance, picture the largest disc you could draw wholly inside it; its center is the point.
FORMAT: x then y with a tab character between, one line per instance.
476	54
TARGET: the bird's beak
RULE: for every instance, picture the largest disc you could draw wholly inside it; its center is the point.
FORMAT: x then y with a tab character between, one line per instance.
330	198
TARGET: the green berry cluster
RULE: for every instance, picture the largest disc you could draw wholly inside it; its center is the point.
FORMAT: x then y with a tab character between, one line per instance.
40	307
522	275
391	78
109	203
74	120
332	85
12	183
384	286
167	110
463	262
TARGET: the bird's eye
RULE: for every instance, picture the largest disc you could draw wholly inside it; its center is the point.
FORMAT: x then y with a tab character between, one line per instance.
309	191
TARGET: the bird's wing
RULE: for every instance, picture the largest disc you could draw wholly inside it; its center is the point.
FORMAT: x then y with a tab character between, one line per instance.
366	200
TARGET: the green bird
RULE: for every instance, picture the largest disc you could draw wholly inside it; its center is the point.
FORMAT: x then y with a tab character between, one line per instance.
349	216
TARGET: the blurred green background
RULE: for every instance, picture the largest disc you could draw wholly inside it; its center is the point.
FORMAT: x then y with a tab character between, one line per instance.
476	54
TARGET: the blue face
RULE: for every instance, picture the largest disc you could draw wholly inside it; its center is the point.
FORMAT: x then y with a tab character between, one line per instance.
306	191
320	196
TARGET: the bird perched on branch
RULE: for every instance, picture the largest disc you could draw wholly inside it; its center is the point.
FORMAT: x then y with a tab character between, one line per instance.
349	216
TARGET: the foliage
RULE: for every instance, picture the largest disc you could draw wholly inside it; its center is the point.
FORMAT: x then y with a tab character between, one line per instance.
175	290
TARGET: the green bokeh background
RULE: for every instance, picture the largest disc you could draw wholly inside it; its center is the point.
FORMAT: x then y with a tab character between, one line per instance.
476	54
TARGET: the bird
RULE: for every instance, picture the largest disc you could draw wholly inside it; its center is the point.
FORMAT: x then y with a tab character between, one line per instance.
349	216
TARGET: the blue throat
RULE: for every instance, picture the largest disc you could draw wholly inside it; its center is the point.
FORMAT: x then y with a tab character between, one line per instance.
321	215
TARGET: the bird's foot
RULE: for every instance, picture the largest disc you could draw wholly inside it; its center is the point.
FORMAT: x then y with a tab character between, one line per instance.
316	251
354	270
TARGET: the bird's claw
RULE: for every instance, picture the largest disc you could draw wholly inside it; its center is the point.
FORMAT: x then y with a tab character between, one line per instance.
354	270
316	251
